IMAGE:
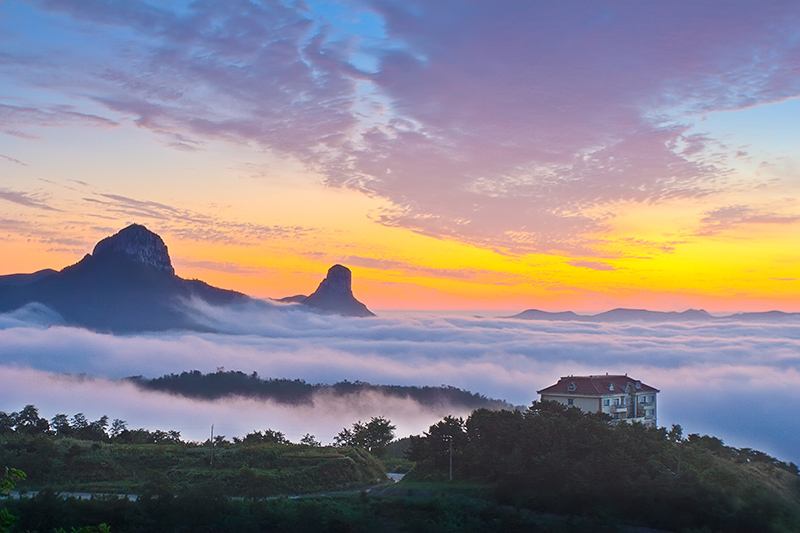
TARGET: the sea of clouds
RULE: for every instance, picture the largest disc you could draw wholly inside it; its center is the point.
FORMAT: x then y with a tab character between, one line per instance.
737	380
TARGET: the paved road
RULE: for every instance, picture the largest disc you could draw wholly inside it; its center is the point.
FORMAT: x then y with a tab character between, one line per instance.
17	495
393	478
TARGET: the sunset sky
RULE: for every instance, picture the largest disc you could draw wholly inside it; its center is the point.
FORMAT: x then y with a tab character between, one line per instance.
456	155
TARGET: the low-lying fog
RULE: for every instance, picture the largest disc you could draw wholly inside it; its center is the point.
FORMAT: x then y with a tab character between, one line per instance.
737	380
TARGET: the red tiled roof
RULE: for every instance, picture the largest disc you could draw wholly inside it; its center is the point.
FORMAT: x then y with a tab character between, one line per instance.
595	385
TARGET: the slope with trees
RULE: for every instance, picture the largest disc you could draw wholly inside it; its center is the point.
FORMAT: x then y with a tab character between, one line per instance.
195	384
561	460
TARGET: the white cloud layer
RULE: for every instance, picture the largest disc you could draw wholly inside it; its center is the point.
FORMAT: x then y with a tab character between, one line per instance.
737	380
324	418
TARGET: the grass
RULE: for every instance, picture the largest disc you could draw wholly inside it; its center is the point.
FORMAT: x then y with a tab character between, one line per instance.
239	470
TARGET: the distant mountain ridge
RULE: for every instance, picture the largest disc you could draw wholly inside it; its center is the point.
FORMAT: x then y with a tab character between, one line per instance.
223	384
128	284
15	280
644	315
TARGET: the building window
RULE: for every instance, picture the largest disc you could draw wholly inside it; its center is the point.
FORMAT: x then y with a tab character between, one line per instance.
616	401
642	399
570	401
606	402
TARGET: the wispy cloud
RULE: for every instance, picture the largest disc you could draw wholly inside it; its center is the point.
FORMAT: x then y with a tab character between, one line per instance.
593	265
732	216
231	268
412	269
13	160
15	119
26	199
190	224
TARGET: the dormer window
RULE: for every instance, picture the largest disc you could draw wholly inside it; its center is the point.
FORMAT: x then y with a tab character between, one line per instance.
611	387
572	387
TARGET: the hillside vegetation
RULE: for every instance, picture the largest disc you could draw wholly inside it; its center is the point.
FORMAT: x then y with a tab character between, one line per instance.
547	468
74	454
238	469
559	460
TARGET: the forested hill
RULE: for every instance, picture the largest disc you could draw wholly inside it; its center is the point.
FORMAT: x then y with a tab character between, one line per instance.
555	459
195	384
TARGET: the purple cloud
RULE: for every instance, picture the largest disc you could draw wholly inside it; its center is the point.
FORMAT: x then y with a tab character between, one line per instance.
15	119
511	126
467	274
13	160
25	199
519	118
189	224
592	265
731	216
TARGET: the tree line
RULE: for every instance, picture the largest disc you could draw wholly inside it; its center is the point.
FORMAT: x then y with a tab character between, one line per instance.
373	435
214	385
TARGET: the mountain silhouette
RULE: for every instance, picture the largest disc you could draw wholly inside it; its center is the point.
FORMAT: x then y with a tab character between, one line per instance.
643	315
15	280
126	284
334	295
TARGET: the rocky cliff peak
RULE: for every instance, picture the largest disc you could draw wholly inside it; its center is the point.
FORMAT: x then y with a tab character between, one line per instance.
339	280
335	294
139	244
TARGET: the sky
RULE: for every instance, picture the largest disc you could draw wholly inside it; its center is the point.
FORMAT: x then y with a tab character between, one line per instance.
457	155
733	379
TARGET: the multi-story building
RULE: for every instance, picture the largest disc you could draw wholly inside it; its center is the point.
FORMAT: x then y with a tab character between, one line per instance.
621	397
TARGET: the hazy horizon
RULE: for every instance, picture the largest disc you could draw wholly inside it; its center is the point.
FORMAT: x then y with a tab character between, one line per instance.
705	370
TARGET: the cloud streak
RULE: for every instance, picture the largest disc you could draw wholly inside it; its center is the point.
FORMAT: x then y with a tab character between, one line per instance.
25	199
189	224
732	216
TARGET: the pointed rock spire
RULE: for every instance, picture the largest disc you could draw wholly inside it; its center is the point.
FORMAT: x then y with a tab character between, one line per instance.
335	294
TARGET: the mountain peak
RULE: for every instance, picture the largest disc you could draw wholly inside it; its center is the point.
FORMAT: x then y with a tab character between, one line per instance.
139	244
335	294
339	280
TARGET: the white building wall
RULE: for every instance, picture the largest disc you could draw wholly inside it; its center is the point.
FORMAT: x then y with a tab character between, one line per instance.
617	403
589	405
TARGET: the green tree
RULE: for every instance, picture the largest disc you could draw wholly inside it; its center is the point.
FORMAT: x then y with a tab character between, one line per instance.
60	425
79	422
310	440
29	421
675	433
269	436
117	427
9	480
373	436
6	423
